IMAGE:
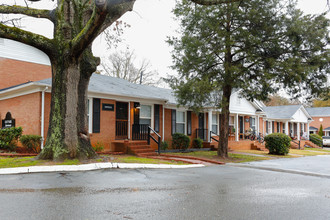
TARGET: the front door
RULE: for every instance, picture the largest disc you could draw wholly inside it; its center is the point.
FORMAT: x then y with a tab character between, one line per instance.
121	120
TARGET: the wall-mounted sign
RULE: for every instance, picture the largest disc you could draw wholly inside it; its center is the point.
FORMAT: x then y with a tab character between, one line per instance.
108	107
8	122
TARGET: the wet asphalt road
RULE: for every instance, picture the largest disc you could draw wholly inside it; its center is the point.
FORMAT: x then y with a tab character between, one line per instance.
213	192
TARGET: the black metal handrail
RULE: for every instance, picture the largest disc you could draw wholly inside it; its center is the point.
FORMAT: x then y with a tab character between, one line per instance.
121	129
316	141
212	138
201	133
140	132
297	143
152	137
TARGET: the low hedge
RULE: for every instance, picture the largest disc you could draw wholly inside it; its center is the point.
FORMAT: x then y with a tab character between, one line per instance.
9	138
316	139
197	143
278	143
31	142
180	141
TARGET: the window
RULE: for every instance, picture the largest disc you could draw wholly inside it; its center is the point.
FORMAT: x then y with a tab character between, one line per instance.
215	123
283	128
145	114
180	122
253	124
278	127
266	127
231	124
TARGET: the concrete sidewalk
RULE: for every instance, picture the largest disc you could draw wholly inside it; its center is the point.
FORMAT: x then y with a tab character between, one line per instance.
93	166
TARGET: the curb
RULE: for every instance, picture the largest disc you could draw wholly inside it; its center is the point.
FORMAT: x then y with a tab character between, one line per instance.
282	170
90	167
193	158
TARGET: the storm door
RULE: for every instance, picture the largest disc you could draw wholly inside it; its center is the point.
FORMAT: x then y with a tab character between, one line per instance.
121	120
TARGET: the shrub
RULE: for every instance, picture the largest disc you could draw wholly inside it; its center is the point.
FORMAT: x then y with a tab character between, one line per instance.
197	143
316	139
163	145
9	137
180	141
99	146
320	131
278	143
31	142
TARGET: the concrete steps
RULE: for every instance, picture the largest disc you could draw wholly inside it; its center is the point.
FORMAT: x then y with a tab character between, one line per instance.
258	146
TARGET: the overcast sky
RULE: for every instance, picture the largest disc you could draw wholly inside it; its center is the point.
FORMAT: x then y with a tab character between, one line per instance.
151	22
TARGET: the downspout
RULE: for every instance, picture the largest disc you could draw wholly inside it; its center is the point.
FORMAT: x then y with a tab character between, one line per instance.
42	134
163	124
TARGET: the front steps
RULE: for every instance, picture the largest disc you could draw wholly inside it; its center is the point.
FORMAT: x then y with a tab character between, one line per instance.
258	146
141	149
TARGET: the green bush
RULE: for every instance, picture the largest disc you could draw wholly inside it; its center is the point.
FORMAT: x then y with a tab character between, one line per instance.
31	142
278	143
163	145
9	138
180	141
320	133
197	143
316	139
99	146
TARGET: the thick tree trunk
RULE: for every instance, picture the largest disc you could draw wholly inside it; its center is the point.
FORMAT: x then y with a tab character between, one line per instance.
224	119
68	129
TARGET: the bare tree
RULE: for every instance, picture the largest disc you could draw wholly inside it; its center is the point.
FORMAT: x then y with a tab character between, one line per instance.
122	64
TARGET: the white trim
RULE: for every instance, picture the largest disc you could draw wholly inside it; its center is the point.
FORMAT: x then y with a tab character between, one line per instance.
90	115
163	125
236	129
42	127
184	123
151	112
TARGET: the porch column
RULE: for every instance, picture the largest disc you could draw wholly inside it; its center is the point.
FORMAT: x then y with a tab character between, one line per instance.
210	125
129	121
308	130
298	131
287	128
258	125
236	129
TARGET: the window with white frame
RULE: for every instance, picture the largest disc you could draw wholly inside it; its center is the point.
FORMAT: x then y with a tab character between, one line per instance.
231	124
253	124
215	123
180	122
145	115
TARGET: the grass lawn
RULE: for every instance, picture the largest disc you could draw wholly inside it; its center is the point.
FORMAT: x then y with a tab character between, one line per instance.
9	162
233	158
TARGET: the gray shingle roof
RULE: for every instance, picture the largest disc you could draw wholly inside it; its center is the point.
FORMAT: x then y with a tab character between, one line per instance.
319	111
281	112
311	128
326	129
120	87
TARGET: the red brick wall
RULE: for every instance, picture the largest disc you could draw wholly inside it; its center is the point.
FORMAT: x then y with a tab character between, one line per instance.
13	72
26	110
316	123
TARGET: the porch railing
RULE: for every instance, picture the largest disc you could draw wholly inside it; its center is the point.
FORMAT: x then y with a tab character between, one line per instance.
158	140
140	132
201	133
212	137
296	142
121	130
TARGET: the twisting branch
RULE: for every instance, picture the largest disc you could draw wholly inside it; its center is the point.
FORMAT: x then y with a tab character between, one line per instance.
104	10
42	43
36	13
213	2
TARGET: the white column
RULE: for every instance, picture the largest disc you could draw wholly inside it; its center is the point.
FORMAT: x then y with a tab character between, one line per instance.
129	121
298	131
307	130
287	128
236	129
210	125
258	124
42	125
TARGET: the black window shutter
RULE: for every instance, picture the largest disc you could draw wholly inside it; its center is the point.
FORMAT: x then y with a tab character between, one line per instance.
96	115
157	118
188	122
173	121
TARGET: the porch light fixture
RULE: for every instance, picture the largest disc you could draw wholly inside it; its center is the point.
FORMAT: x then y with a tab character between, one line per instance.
137	105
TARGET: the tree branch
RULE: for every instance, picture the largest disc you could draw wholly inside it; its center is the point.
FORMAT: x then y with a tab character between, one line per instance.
42	43
105	13
213	2
36	13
